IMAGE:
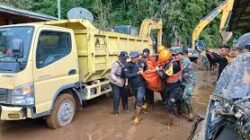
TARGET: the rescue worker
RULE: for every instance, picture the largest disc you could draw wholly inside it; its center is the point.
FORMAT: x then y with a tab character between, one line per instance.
147	62
171	73
162	59
117	81
133	74
150	59
188	82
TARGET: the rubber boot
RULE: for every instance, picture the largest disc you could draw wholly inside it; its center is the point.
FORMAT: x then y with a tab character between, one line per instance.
144	108
137	119
190	112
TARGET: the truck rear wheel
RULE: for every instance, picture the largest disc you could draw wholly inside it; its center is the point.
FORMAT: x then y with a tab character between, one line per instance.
63	112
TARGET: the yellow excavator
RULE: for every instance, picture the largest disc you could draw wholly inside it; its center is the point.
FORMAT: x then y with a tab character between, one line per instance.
225	8
152	24
150	28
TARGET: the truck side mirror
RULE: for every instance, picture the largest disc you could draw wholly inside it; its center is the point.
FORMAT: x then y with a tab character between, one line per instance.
17	48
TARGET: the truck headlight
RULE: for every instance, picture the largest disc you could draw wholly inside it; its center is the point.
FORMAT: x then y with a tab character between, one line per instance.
23	95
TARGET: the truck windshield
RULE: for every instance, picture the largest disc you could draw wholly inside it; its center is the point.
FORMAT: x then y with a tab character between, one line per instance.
13	40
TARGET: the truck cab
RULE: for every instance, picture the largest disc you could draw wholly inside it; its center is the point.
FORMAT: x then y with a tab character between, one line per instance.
37	63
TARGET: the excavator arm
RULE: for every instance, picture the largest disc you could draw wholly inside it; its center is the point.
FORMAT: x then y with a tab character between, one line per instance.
152	24
225	8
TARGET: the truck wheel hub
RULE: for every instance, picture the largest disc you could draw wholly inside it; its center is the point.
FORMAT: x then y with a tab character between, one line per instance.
65	113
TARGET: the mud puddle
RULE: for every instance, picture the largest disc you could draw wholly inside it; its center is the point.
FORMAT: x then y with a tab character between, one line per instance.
95	122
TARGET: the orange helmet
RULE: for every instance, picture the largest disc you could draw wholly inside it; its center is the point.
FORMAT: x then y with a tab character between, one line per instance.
164	55
160	49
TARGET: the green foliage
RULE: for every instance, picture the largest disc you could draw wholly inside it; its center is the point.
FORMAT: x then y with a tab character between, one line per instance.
44	6
179	16
25	4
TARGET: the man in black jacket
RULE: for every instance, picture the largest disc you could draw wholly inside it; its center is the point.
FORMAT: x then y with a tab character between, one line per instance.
133	73
220	58
144	63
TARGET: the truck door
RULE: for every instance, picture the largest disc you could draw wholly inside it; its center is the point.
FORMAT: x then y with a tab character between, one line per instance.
55	66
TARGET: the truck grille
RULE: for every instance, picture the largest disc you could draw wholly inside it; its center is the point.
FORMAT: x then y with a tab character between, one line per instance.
3	95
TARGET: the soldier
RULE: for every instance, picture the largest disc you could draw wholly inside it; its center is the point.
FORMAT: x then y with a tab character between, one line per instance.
188	82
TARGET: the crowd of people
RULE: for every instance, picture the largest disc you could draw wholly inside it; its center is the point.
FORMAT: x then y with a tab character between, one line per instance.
169	72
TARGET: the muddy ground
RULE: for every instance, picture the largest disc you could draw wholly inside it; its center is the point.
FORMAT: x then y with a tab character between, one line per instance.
95	122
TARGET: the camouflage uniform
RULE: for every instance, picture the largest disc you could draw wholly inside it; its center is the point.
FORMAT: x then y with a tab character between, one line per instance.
189	79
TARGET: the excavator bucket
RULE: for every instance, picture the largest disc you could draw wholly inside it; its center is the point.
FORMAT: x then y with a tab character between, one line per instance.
225	36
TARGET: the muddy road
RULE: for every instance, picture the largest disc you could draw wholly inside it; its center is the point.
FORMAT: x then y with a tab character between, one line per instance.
95	122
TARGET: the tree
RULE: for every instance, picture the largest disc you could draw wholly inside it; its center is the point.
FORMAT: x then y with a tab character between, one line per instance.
179	16
24	4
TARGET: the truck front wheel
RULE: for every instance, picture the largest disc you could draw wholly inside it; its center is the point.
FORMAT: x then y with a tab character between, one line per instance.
63	112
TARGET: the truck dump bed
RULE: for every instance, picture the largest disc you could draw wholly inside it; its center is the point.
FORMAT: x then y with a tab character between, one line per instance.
98	49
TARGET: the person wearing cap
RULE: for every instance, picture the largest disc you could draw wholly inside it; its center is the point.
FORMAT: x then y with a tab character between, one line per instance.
188	82
117	81
133	73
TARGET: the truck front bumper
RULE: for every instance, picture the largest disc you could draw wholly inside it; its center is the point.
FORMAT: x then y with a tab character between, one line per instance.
12	113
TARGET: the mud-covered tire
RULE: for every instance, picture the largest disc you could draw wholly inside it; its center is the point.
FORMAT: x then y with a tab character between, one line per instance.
63	112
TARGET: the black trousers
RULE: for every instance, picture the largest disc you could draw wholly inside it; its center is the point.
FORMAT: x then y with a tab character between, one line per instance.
149	96
173	97
119	92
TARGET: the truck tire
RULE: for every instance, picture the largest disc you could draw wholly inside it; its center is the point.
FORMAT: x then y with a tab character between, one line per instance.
63	111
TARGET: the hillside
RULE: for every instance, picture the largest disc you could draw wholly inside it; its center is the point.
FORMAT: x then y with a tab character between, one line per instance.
179	16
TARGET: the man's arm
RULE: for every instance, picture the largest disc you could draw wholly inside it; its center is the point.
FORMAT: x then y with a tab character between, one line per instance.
128	73
166	71
162	74
217	58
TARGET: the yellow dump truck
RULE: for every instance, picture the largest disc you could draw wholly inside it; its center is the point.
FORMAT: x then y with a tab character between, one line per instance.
48	69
